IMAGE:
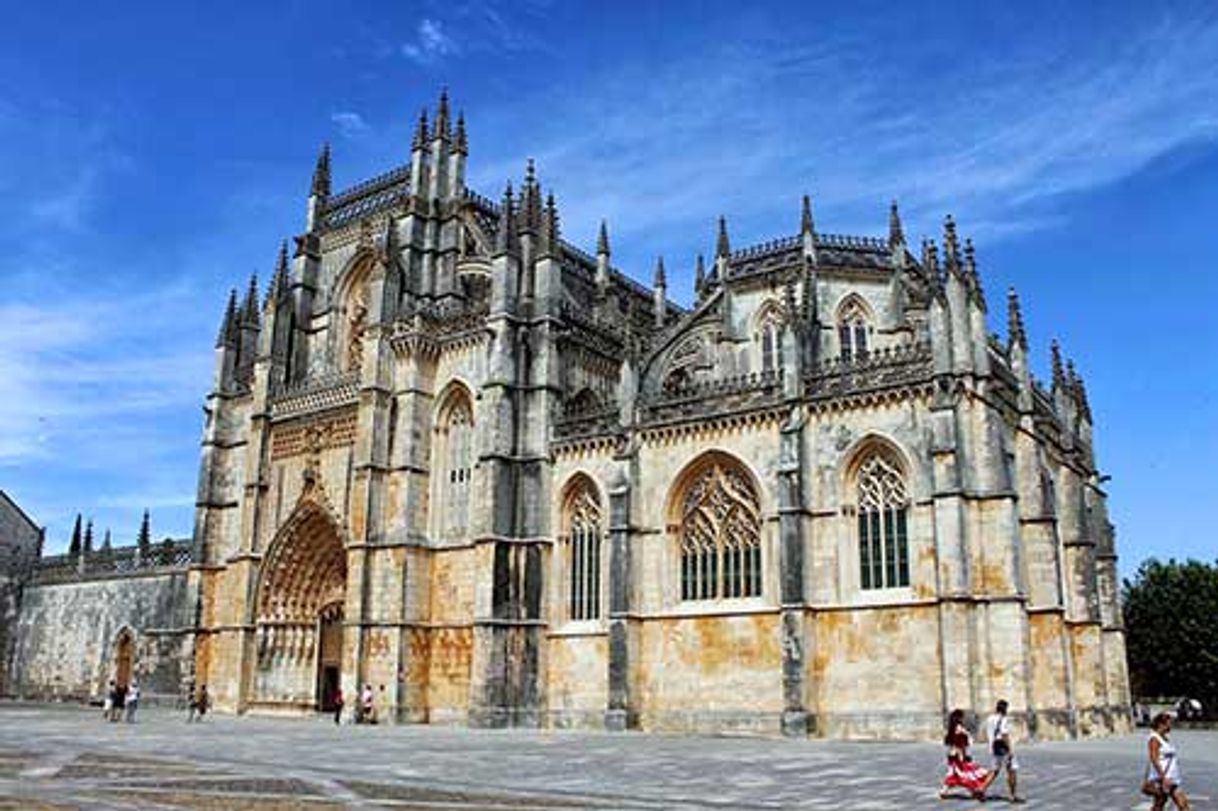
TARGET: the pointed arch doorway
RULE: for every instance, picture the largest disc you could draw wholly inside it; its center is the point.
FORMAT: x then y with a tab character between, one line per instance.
299	632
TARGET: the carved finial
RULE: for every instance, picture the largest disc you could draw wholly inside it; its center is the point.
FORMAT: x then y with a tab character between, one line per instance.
550	224
461	146
896	235
971	277
280	283
530	173
806	225
951	245
1080	394
1059	377
602	240
699	276
443	129
1016	335
249	309
930	259
723	248
530	198
228	324
420	131
321	173
660	279
505	237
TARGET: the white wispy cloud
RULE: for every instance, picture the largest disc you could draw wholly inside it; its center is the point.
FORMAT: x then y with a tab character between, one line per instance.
350	124
430	45
662	149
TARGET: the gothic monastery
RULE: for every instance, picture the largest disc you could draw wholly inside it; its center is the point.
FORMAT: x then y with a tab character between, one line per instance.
455	457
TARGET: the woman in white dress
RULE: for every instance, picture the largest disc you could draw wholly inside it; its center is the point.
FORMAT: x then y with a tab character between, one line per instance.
1163	770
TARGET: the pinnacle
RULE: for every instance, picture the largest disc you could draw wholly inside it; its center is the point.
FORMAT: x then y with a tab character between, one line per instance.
723	247
1015	330
951	244
1059	377
806	225
660	280
442	121
420	132
896	235
249	308
321	173
462	142
699	275
228	323
602	240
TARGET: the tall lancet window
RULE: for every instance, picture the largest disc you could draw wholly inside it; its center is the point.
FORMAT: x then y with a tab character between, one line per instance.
852	328
719	533
769	336
455	453
883	519
583	527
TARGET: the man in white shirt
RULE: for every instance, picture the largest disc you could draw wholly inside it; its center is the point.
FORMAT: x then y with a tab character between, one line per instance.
999	728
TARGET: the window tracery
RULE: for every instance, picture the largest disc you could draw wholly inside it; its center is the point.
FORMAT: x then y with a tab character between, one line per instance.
583	528
852	328
769	336
720	534
883	517
454	449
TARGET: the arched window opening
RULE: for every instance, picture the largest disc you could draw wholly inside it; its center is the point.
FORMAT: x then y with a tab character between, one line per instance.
454	447
852	328
581	541
720	534
883	518
769	335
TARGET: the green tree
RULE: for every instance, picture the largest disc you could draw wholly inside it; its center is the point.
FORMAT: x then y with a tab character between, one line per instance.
166	552
144	539
89	537
1171	630
74	544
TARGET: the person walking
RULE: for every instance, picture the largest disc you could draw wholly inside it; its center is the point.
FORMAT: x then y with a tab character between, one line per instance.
962	772
133	701
338	706
367	709
999	729
108	701
1163	769
199	705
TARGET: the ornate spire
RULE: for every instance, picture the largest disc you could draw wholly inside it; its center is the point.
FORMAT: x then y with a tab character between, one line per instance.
280	282
249	309
443	126
530	198
549	225
806	225
660	278
896	235
1015	331
505	237
462	143
930	259
321	173
723	248
602	240
1059	377
971	277
951	245
699	276
420	131
228	324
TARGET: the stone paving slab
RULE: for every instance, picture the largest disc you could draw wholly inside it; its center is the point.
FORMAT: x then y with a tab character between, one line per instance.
60	757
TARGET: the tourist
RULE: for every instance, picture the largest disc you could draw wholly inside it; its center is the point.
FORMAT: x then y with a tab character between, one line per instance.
1163	770
367	709
338	706
108	701
133	701
120	702
999	729
199	705
962	772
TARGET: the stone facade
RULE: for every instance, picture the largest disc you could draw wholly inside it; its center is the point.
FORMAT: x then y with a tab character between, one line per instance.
20	546
455	457
108	614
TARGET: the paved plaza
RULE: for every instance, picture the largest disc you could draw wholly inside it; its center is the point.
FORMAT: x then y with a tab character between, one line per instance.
59	757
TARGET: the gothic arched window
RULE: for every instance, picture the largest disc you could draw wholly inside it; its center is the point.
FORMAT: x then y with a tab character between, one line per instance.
581	542
883	519
852	328
719	532
454	450
769	335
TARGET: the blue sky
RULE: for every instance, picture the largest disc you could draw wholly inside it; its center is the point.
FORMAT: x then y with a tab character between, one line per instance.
153	158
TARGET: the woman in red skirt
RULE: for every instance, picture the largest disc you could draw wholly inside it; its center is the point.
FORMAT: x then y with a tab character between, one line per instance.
962	772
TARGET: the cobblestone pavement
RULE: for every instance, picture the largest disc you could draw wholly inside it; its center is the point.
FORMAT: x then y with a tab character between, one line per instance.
68	758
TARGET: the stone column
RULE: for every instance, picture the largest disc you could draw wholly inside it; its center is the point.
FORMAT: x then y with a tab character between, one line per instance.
621	713
795	718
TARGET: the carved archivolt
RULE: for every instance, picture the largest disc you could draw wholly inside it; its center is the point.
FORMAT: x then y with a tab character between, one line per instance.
305	569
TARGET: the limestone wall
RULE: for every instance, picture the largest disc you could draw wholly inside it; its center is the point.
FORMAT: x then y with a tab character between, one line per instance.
68	633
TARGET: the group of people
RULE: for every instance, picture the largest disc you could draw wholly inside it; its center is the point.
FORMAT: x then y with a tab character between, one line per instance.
1161	781
121	700
365	709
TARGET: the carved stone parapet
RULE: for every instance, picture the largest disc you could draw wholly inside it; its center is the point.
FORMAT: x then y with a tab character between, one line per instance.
316	394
